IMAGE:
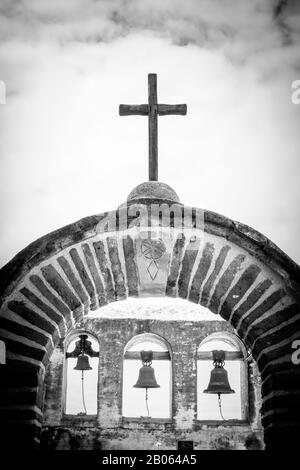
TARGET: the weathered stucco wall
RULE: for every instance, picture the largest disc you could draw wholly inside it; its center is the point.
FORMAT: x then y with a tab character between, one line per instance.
233	270
110	431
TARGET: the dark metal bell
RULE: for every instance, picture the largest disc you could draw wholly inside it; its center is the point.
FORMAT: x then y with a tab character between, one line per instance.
218	382
146	378
83	363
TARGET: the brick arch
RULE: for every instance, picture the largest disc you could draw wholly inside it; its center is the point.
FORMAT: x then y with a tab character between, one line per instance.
223	265
152	337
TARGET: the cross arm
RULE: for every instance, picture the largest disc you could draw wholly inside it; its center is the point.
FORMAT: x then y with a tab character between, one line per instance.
133	109
164	109
143	109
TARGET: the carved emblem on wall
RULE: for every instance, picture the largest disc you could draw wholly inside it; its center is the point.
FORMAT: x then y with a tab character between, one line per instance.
153	250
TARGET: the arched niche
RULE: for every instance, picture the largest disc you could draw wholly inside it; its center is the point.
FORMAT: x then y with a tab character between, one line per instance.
234	406
159	400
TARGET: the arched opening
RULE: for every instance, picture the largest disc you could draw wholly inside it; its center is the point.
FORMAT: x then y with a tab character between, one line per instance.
159	400
233	406
81	377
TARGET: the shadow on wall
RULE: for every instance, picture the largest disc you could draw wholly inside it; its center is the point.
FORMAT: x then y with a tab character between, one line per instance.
66	439
253	443
224	442
91	439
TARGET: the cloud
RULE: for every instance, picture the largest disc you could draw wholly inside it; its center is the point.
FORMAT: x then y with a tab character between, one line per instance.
203	22
243	31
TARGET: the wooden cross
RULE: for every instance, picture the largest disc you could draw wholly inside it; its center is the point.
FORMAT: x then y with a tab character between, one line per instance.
152	110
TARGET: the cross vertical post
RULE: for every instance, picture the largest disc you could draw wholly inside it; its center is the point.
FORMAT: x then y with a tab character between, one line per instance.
152	110
152	123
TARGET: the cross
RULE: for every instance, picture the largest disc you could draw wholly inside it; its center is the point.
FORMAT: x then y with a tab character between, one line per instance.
152	110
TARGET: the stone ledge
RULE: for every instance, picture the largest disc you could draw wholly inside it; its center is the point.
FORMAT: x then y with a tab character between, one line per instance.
146	423
202	424
79	420
143	419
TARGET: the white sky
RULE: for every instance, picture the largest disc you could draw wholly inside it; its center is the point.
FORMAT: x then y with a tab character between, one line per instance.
65	152
158	308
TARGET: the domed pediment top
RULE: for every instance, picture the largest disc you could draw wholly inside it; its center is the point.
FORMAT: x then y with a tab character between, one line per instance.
153	190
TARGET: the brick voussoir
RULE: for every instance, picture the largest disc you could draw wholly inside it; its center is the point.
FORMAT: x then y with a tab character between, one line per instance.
53	299
237	292
84	276
175	265
225	282
75	283
91	264
277	320
30	315
281	416
262	308
120	289
201	272
210	281
278	352
24	350
251	300
58	284
284	378
105	271
130	266
276	337
54	316
23	330
290	400
281	366
187	265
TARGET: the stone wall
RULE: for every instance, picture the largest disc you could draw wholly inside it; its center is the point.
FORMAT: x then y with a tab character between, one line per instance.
234	271
109	430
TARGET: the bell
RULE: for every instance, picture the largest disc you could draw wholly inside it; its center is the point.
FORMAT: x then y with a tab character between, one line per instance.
218	382
82	363
146	378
